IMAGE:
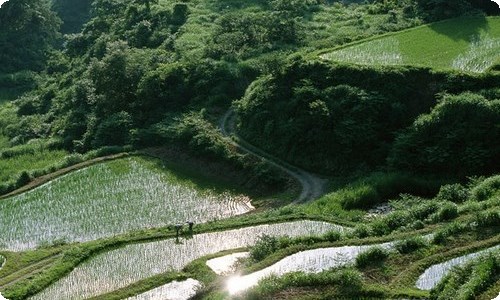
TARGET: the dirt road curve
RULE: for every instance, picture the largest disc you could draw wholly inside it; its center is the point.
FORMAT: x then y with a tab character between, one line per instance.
312	185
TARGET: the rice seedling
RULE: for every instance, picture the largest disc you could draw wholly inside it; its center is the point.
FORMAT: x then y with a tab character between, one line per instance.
477	59
121	267
179	290
376	52
468	44
108	199
433	275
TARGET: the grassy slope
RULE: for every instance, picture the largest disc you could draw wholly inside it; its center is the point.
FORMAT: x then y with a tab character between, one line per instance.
436	45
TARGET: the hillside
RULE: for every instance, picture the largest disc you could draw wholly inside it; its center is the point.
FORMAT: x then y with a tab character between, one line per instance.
249	149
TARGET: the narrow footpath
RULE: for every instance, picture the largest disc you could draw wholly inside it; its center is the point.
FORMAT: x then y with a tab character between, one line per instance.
312	185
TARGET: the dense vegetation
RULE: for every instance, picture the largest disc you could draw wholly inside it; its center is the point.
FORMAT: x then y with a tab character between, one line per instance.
331	118
85	81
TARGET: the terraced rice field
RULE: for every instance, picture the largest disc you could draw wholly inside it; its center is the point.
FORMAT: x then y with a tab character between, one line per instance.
467	44
109	199
310	261
178	290
119	268
433	275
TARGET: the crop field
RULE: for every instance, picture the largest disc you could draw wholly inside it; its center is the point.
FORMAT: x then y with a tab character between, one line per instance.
26	158
311	261
433	275
108	199
179	290
467	44
119	268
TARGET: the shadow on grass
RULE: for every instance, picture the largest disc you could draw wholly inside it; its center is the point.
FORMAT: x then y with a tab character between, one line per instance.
463	28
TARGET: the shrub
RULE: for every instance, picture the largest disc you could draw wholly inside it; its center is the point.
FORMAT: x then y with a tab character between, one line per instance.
24	178
447	212
265	246
373	256
411	245
488	218
453	192
486	189
361	231
332	236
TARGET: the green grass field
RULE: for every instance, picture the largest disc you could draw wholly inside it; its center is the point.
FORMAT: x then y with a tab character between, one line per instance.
467	44
108	199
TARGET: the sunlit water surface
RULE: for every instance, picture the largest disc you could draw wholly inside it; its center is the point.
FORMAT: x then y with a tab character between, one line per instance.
176	290
121	267
310	261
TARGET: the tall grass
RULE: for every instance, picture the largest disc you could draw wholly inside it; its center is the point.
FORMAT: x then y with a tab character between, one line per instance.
108	199
470	280
29	157
346	280
121	267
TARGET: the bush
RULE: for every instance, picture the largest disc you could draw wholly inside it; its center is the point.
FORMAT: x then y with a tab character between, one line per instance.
488	218
447	212
453	193
24	178
486	189
265	246
371	257
411	245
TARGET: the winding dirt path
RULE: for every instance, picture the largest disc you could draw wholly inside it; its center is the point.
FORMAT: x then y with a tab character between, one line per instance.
312	185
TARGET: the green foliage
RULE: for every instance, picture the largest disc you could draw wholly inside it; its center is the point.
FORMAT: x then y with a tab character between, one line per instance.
446	212
73	14
346	280
486	189
411	245
455	138
442	234
470	280
456	193
335	118
371	257
488	218
265	246
29	30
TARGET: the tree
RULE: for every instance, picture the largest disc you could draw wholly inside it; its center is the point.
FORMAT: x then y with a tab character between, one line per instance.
29	30
459	137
